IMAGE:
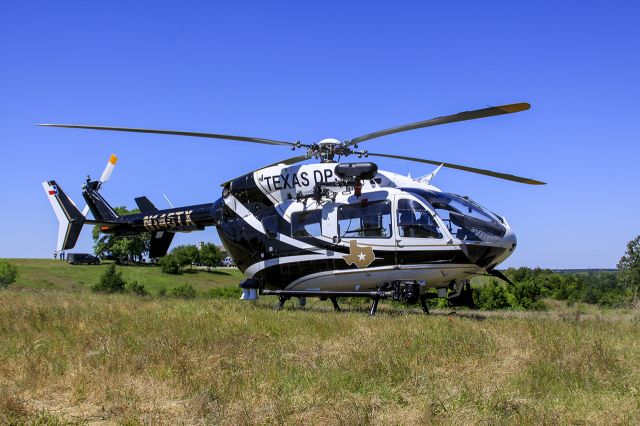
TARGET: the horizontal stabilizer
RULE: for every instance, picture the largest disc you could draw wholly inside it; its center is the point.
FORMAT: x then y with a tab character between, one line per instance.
70	219
145	205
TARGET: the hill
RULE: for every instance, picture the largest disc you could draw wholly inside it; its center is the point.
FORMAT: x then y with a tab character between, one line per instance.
58	275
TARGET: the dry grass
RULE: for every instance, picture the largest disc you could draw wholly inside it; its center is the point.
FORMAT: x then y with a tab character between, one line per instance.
120	359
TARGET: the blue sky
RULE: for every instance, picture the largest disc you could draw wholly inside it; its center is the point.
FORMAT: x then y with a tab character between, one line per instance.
303	70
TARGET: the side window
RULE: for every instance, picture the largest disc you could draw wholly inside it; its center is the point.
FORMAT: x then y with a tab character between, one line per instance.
414	221
306	224
371	220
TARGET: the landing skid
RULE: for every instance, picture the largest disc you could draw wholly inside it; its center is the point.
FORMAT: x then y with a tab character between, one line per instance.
375	296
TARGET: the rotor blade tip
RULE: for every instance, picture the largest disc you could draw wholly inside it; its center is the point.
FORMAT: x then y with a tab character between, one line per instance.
523	106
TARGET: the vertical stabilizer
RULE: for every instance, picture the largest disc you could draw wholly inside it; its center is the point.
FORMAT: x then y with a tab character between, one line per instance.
70	219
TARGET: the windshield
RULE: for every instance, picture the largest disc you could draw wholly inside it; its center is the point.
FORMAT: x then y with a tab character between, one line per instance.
465	219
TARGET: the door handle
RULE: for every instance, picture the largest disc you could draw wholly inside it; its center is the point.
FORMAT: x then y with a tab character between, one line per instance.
399	243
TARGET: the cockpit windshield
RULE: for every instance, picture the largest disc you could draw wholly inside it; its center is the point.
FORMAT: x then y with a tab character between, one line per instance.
465	219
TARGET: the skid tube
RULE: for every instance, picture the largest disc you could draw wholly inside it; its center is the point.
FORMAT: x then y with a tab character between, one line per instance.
285	295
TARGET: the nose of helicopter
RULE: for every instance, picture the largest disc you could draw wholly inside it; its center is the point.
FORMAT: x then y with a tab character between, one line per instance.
488	256
509	242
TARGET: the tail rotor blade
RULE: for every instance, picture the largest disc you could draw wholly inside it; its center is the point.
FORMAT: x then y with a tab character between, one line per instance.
106	174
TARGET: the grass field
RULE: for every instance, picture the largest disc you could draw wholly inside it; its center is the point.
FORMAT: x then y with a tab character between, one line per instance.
74	356
58	275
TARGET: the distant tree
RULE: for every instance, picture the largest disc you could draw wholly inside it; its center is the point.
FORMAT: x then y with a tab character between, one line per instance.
111	281
8	273
186	255
210	255
130	249
629	269
169	264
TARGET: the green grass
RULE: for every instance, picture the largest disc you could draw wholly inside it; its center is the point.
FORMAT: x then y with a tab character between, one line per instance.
71	356
88	357
55	274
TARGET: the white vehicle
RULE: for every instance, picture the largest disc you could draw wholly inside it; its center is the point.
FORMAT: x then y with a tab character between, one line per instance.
228	261
330	229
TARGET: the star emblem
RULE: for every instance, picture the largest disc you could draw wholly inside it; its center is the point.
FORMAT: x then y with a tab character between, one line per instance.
359	256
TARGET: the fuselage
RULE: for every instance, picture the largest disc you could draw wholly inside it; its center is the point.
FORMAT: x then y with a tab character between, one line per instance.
397	229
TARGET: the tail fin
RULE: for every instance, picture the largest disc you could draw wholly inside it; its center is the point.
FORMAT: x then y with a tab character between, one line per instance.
70	219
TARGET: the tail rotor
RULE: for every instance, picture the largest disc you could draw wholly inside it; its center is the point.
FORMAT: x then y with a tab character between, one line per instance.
106	175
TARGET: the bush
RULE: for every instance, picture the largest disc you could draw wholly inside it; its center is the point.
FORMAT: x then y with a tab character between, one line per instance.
185	291
111	281
162	292
493	296
169	264
136	288
527	295
8	273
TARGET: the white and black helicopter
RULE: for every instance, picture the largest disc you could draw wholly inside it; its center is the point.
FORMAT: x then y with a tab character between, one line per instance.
330	229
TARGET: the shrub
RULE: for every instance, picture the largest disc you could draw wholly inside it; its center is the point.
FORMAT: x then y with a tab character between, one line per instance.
162	292
185	291
111	281
493	296
527	295
136	288
169	264
8	273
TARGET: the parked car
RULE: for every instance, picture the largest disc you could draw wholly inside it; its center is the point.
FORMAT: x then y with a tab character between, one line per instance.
82	259
228	261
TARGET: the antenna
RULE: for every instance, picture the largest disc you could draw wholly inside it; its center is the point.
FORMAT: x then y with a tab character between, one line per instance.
167	198
427	178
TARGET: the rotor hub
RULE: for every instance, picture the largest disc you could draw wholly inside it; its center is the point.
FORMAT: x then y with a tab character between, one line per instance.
329	142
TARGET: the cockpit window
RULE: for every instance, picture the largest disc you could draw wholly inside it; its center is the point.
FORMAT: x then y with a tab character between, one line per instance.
415	221
367	220
465	219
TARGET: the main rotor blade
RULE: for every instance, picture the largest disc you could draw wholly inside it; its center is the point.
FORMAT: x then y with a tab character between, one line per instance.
288	161
461	116
175	132
498	175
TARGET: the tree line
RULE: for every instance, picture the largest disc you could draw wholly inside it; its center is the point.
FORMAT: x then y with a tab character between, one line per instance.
619	288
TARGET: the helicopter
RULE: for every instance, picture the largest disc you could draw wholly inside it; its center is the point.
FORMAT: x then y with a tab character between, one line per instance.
328	229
